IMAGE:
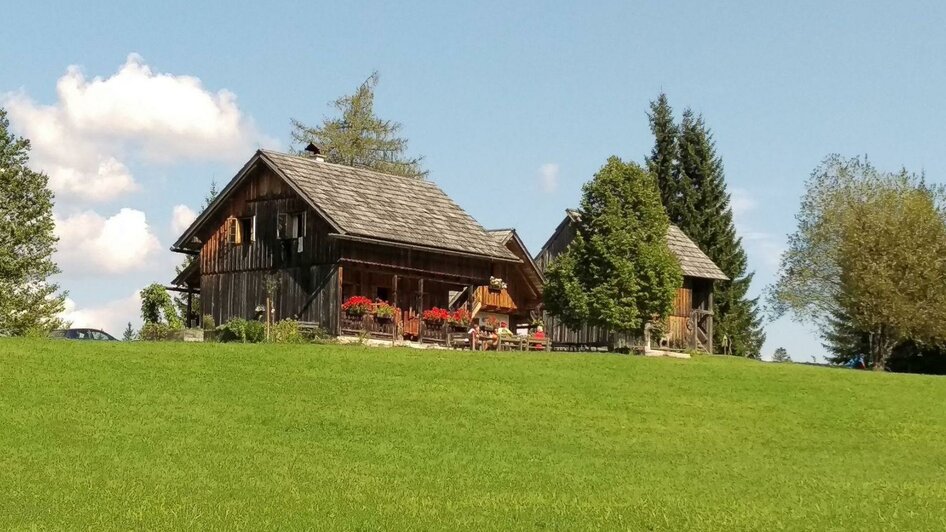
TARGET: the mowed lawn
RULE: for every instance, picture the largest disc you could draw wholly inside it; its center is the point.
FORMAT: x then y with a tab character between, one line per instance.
174	436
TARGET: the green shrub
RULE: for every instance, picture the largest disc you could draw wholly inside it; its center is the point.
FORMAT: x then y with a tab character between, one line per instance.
315	334
255	332
286	332
211	333
155	332
241	330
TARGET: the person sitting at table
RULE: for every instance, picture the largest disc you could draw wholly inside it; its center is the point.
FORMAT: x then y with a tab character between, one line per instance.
474	333
539	335
503	329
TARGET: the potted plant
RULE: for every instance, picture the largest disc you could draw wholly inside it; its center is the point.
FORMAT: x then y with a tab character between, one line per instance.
460	320
435	317
490	324
384	312
357	306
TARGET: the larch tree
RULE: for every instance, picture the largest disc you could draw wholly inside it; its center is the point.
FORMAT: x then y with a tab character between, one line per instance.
618	272
868	260
29	302
358	137
697	201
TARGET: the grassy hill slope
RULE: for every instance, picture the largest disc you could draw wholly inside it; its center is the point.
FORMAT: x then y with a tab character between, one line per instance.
130	436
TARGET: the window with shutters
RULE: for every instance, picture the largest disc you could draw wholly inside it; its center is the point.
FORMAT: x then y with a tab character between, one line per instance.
233	231
290	228
241	230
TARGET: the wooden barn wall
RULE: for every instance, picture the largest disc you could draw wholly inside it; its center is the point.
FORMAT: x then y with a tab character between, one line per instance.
264	195
555	246
417	263
305	294
233	275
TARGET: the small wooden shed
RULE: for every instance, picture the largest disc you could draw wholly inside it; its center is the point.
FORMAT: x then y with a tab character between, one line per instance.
691	321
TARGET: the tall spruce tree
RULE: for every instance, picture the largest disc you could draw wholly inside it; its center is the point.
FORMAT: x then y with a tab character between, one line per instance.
664	159
697	202
359	137
28	301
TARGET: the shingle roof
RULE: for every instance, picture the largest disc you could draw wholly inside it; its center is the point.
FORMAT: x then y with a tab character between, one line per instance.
693	261
500	235
366	203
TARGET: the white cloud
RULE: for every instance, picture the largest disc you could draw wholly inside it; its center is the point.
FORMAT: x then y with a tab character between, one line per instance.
548	177
89	243
181	218
766	247
86	138
112	317
741	202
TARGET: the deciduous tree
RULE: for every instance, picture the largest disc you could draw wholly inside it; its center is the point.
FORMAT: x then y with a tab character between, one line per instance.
868	260
156	307
618	272
29	302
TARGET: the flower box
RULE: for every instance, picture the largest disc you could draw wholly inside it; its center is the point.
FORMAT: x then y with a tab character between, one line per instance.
357	306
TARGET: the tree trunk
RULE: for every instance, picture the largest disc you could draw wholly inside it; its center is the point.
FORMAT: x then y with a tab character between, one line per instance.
881	346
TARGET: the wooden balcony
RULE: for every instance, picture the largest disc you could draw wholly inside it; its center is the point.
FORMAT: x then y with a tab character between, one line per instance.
494	300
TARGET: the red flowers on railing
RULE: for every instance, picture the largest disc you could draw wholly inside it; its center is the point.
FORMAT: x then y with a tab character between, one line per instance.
435	316
460	318
358	306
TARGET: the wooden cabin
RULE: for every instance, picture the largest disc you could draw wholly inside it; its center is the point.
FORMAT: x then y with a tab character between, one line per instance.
314	234
690	322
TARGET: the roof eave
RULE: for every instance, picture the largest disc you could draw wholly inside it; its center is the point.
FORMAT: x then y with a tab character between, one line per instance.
432	249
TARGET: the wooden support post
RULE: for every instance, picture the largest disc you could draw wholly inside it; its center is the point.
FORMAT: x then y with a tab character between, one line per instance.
269	318
397	312
338	302
190	305
709	322
420	309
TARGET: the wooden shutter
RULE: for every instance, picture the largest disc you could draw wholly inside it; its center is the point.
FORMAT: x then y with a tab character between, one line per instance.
233	231
282	226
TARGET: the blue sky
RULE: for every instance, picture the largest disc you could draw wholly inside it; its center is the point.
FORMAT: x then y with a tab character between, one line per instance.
514	106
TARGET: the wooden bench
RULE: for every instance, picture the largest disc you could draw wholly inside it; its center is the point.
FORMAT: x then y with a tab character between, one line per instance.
458	340
512	343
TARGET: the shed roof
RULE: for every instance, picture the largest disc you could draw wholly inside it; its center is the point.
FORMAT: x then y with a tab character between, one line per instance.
693	261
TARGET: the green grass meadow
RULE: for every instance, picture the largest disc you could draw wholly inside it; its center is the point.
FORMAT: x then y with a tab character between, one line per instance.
219	436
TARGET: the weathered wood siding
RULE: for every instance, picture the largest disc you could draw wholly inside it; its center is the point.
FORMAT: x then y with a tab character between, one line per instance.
495	300
233	276
462	270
